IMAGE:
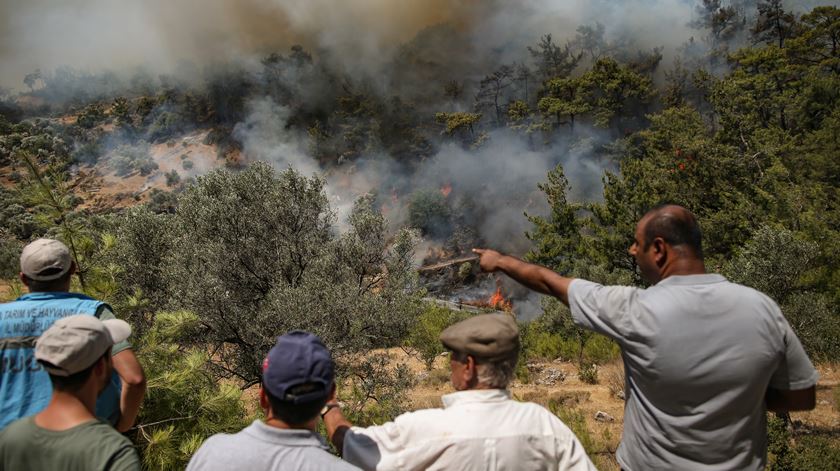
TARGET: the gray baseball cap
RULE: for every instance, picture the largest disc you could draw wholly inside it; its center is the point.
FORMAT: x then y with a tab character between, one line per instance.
45	260
73	344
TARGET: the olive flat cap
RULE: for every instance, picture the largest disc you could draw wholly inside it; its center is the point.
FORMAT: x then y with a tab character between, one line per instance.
486	337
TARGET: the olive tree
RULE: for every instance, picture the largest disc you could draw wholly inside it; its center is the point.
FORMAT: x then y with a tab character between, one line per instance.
257	253
780	264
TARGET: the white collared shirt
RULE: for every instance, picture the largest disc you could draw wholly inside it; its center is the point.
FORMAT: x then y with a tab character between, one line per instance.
476	430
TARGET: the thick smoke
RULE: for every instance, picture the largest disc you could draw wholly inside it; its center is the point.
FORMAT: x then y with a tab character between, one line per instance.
158	34
360	36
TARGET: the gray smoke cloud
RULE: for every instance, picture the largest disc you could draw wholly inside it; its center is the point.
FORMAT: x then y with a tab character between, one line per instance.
360	36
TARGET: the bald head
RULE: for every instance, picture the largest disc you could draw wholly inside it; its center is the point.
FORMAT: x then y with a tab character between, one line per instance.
676	225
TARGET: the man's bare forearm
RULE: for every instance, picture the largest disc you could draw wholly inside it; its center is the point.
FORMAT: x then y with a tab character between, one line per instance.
337	426
789	401
535	277
130	401
133	387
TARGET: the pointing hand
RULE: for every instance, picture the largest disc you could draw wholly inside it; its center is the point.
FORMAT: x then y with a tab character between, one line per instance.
489	259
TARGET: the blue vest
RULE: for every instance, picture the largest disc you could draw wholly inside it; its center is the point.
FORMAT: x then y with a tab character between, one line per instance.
25	387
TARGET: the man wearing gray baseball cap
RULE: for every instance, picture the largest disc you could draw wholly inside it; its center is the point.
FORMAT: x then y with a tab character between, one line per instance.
46	268
479	427
76	353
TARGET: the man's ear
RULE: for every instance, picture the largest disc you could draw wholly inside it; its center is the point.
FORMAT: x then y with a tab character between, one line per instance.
23	279
264	404
100	367
470	369
660	250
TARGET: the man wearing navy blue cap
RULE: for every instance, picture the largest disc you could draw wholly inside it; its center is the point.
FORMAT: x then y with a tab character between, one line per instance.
298	377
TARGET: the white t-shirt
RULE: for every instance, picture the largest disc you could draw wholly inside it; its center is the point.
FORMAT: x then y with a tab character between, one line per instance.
699	354
476	430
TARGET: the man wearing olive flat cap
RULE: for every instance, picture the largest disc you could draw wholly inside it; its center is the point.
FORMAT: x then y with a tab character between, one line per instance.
76	353
479	427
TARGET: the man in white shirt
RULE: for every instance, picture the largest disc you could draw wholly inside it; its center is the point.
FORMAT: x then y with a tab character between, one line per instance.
704	358
479	428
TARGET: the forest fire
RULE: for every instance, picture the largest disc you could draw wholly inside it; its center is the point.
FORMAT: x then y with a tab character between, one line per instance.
498	301
445	190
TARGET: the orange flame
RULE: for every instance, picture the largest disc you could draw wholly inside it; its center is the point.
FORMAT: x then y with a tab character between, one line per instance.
498	301
445	190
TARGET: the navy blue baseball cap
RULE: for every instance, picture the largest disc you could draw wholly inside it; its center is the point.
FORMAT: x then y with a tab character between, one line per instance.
298	358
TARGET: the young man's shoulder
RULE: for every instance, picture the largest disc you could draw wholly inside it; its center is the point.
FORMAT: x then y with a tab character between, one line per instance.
92	443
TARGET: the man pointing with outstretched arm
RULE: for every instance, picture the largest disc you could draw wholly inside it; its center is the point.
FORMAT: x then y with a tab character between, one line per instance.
704	358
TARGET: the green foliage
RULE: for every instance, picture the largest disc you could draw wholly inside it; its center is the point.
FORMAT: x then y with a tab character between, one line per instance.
458	121
143	240
270	261
791	451
588	373
553	335
576	421
779	264
127	159
424	337
167	124
10	249
184	405
378	391
429	211
552	60
538	343
47	190
557	236
565	97
607	92
172	178
91	116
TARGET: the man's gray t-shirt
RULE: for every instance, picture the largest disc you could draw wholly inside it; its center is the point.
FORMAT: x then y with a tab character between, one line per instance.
699	354
259	447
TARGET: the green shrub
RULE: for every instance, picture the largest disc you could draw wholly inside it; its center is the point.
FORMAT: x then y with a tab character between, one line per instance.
588	373
815	453
429	212
184	404
10	249
799	452
129	159
543	345
576	421
553	336
438	377
91	116
377	392
186	164
600	349
147	166
424	337
172	178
